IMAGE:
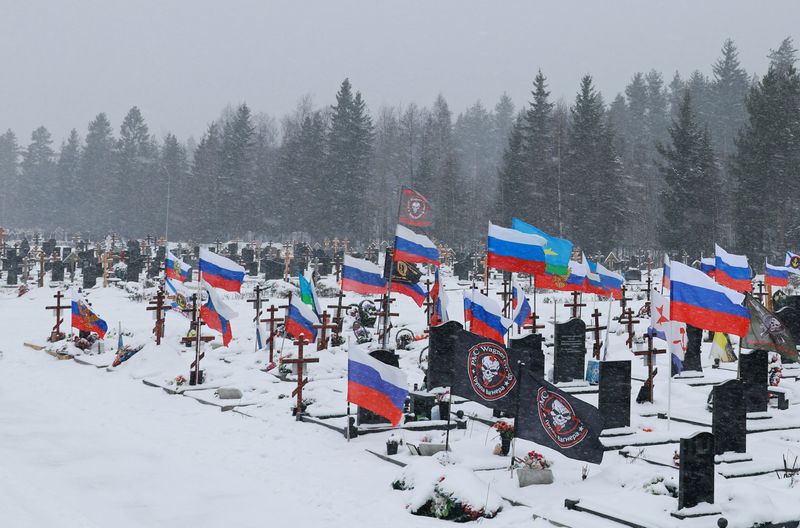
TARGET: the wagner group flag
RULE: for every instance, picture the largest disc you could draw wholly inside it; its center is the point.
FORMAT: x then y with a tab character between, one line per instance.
696	299
376	386
515	251
415	209
220	272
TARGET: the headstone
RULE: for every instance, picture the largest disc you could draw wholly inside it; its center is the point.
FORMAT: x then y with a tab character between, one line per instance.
789	315
614	398
696	475
133	270
570	351
691	360
755	379
633	275
529	348
252	269
729	418
390	358
422	403
11	277
324	267
89	277
272	269
233	249
57	271
462	268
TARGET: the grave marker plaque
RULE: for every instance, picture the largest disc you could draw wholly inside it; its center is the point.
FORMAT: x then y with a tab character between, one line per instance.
729	418
366	416
696	476
754	375
570	351
614	399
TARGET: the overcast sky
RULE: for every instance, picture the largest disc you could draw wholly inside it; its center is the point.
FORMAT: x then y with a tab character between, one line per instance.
181	62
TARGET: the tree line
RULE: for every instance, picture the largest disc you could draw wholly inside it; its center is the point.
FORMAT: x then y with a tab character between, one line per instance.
674	165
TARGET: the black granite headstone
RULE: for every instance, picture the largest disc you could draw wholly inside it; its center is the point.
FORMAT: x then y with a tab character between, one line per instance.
614	399
366	416
694	340
11	277
89	277
633	275
57	271
462	268
790	317
754	375
324	266
133	270
248	255
696	475
272	269
729	418
252	269
570	351
233	249
530	351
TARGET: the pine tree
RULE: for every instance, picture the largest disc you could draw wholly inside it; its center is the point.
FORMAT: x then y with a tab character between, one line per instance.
767	164
39	184
175	171
687	221
96	186
512	177
139	184
237	173
9	168
204	202
537	193
593	174
69	166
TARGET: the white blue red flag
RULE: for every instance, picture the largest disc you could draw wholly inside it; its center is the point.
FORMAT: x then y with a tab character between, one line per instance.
776	276
439	300
665	276
412	247
611	281
732	271
374	385
485	316
515	251
696	299
176	269
362	276
220	272
217	315
300	319
664	328
520	307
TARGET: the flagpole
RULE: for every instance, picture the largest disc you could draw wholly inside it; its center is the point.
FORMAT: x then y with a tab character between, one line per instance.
387	308
199	326
608	326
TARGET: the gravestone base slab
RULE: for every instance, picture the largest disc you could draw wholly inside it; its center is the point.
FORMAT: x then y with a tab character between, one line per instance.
732	458
619	431
697	511
758	416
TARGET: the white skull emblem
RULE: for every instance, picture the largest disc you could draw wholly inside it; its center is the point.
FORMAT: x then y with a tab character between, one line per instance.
490	367
560	414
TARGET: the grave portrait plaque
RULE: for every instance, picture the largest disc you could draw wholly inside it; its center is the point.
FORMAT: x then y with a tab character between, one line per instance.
614	399
570	351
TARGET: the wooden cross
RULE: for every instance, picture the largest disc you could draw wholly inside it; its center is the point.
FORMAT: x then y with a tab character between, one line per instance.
596	329
760	293
108	258
301	342
646	392
257	301
218	246
323	327
160	308
532	325
623	301
505	295
287	258
337	266
429	301
272	320
386	313
338	319
576	304
627	319
55	333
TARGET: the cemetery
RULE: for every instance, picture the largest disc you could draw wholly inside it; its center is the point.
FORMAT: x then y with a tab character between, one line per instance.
714	443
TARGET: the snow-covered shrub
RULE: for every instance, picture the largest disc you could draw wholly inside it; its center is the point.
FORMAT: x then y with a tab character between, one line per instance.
661	485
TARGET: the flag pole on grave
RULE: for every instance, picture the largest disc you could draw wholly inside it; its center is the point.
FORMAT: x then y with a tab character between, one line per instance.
386	310
198	330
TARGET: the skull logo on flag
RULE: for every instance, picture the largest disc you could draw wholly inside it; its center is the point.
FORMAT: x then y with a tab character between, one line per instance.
558	419
489	371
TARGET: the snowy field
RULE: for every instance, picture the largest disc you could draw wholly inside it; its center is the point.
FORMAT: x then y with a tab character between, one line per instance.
85	445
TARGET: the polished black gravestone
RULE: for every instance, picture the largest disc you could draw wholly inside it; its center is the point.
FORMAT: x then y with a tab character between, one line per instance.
570	351
729	418
366	416
272	269
11	277
529	351
790	317
89	277
696	475
633	275
252	268
57	271
614	398
324	267
694	340
462	268
754	375
248	255
233	249
133	270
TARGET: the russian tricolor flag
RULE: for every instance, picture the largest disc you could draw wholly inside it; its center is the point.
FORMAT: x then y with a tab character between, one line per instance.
220	272
439	299
362	276
515	251
176	269
83	318
217	315
300	319
521	308
696	299
577	276
665	277
485	316
611	281
411	247
594	283
732	270
414	291
708	266
777	276
374	385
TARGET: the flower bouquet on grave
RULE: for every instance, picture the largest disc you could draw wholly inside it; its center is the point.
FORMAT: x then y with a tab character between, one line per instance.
506	432
534	468
180	380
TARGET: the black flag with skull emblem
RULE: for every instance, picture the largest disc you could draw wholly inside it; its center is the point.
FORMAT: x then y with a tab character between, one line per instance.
475	367
486	372
767	332
555	419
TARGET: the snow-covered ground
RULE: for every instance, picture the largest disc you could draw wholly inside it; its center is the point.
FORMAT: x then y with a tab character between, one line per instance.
83	446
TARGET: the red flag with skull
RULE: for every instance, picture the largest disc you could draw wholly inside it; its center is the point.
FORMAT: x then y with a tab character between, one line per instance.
415	209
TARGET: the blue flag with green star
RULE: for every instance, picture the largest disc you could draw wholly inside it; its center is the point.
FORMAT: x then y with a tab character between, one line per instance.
557	251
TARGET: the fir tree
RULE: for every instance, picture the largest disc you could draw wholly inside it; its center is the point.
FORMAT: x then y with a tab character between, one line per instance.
69	166
9	168
39	184
237	173
97	164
